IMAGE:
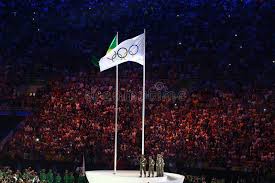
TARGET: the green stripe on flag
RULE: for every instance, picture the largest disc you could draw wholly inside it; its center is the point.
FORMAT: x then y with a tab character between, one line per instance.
112	45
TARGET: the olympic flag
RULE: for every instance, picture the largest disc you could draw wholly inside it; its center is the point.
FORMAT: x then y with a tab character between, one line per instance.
128	50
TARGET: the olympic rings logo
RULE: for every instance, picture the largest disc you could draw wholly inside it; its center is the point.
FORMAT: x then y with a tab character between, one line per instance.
123	52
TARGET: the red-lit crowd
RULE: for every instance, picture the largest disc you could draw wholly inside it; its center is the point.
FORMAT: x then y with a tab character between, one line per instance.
75	114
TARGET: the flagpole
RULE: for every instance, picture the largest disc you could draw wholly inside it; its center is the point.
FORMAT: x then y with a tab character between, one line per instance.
83	164
143	101
116	114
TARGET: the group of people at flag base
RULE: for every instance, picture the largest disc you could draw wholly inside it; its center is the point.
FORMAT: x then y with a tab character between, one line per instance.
31	176
68	177
151	166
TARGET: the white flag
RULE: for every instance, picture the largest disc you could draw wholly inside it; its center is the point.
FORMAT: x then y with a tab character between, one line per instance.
128	50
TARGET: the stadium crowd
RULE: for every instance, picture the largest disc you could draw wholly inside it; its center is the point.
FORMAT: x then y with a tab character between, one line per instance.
28	175
222	128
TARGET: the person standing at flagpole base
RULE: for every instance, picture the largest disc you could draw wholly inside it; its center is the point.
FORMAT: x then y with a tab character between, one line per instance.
151	168
143	163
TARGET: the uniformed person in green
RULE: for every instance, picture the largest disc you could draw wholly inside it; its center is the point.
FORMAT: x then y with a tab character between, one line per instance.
43	176
1	174
71	178
25	175
66	177
158	165
81	178
58	178
162	163
50	176
142	164
151	167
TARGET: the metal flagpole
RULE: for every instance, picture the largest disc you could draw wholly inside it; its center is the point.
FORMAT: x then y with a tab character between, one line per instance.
83	164
116	113
143	100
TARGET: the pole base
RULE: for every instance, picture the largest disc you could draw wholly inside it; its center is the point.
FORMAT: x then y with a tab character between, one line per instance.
128	176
